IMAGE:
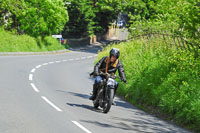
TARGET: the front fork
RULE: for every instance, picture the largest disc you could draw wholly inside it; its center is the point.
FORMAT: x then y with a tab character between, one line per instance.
107	93
110	85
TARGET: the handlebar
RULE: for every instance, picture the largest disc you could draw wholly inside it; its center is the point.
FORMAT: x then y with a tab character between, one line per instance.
113	76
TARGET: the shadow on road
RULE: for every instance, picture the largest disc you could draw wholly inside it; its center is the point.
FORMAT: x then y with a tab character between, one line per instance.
119	102
137	124
139	121
134	120
80	106
85	96
123	104
121	125
80	95
84	106
91	108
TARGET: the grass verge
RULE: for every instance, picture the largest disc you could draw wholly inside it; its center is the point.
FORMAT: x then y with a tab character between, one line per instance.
162	78
10	42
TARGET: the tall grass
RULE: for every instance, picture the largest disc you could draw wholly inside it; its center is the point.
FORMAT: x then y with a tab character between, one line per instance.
10	42
162	77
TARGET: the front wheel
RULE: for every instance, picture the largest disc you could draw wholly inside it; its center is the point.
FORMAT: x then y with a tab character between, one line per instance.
108	101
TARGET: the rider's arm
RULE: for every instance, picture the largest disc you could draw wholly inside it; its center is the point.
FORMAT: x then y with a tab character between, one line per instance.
121	72
98	65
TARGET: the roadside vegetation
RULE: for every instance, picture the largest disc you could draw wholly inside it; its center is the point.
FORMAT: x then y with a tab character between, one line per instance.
28	25
10	42
86	18
162	79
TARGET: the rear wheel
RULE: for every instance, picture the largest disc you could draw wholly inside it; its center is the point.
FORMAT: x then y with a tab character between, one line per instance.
108	101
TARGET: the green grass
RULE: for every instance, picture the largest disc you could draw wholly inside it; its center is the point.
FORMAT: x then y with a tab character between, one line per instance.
163	78
11	42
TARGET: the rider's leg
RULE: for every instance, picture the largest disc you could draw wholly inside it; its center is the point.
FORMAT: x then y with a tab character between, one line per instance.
95	87
94	92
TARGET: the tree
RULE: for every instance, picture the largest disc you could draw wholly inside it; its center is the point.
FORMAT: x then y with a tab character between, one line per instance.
77	25
93	16
37	18
42	17
176	17
8	9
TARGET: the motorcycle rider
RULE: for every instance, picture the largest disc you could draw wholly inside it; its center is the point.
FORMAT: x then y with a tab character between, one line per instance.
112	64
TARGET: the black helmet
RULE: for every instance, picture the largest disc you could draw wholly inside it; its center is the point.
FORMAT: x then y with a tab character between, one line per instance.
114	52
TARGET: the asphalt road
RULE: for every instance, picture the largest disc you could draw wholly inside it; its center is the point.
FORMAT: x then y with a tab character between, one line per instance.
49	94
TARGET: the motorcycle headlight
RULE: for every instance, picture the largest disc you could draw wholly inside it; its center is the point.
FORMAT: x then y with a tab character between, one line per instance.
111	83
101	83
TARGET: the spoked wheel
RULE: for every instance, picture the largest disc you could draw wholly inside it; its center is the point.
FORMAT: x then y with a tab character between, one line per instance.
108	101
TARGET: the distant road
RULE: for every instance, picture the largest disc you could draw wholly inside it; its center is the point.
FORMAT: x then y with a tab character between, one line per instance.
123	34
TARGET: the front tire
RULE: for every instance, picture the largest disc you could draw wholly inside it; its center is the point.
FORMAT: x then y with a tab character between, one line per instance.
108	101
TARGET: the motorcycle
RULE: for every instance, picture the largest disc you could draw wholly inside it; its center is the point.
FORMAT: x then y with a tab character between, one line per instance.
105	93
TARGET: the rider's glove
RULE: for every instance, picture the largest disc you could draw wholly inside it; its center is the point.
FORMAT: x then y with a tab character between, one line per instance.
96	74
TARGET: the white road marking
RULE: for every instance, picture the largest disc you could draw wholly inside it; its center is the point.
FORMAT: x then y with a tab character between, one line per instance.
58	61
77	59
45	99
51	62
50	103
30	76
45	64
35	89
38	66
80	126
33	70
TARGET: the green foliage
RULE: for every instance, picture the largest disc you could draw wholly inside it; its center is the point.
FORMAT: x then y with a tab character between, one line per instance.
10	42
77	25
8	9
42	17
176	17
93	17
35	18
189	21
161	77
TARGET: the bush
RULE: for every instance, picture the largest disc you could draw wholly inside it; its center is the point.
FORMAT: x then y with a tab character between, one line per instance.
11	42
161	77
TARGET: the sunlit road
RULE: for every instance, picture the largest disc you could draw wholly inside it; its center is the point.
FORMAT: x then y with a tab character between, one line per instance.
49	94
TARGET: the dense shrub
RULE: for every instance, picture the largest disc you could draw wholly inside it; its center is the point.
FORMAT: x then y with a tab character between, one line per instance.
161	77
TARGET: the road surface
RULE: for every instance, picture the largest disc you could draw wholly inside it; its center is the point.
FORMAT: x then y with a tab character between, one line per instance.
49	94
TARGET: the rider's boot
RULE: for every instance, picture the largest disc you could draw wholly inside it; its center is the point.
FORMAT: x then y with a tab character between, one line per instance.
94	93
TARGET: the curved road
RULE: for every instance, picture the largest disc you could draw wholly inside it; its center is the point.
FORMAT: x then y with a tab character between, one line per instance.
49	94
